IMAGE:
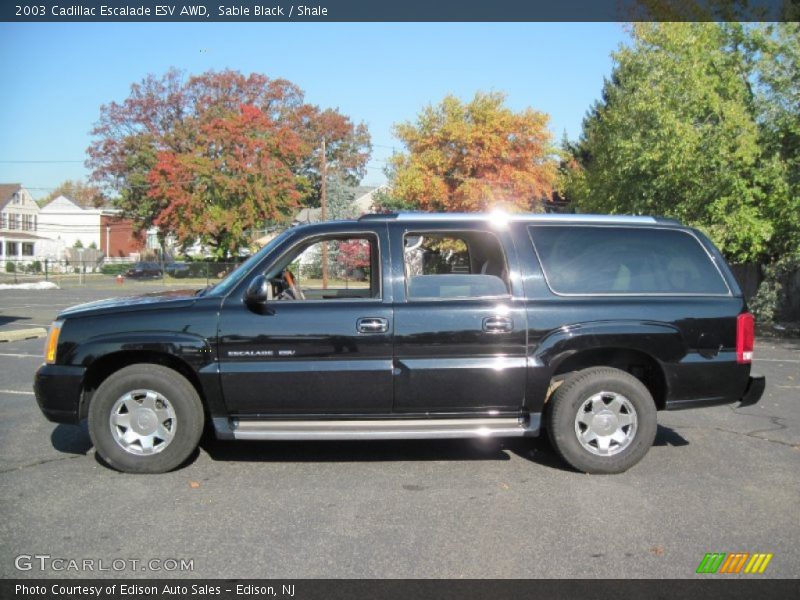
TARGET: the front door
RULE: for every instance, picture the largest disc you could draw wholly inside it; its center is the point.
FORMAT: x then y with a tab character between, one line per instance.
323	342
460	331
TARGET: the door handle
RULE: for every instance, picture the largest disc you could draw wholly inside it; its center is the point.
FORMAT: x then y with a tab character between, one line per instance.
372	325
498	324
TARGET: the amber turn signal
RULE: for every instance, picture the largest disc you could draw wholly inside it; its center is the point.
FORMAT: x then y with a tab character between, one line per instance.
52	342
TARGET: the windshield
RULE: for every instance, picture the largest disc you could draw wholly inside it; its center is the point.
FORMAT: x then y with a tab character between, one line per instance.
235	276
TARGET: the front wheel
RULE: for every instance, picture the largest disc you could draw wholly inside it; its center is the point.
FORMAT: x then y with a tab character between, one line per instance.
602	420
145	418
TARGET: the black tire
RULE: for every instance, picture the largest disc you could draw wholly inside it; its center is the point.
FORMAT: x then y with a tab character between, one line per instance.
183	400
573	395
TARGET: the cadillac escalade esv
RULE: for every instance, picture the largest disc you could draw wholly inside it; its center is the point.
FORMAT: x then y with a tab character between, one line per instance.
416	326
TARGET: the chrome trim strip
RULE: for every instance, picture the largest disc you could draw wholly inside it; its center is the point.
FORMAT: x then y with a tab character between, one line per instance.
389	429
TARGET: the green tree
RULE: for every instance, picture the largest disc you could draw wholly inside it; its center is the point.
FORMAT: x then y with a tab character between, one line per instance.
340	198
778	107
677	133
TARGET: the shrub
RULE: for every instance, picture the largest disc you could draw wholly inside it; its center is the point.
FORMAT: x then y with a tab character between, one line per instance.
773	298
115	268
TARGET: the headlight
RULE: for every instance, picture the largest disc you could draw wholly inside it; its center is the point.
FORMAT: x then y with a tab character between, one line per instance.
51	345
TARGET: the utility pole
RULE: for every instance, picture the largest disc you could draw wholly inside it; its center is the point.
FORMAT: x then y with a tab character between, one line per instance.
324	213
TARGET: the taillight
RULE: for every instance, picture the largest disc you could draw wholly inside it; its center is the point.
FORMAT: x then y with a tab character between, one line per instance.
745	337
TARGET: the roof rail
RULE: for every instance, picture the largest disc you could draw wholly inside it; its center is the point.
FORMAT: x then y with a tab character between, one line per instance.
378	216
530	217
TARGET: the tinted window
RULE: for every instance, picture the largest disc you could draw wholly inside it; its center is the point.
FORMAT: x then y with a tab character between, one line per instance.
619	260
443	264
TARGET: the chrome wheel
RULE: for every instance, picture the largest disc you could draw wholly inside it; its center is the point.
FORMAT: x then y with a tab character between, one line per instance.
142	422
606	423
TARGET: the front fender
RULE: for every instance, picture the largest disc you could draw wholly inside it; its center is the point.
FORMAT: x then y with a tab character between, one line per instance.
192	349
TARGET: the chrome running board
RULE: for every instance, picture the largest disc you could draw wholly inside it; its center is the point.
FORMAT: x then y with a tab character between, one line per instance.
383	429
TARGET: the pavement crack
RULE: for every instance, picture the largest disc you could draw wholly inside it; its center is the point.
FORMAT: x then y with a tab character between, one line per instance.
775	420
758	437
44	461
744	433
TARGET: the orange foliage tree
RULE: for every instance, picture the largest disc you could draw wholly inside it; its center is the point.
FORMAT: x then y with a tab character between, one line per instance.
473	156
237	173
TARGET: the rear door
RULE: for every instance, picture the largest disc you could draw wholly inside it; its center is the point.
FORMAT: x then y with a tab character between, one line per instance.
459	320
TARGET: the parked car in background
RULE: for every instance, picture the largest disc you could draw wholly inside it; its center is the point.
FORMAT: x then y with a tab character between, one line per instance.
177	269
143	270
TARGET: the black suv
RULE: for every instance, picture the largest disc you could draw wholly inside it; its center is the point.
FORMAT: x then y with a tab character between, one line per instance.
416	326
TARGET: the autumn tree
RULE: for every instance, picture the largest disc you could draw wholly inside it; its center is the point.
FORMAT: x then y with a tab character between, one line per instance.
83	193
236	175
173	116
472	156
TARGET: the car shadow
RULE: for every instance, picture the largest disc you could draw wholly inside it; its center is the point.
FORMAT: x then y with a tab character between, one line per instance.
7	319
71	439
355	450
539	450
74	439
666	436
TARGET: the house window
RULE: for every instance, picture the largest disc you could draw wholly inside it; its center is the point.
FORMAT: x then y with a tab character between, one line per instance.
3	221
11	248
16	198
27	222
14	221
27	249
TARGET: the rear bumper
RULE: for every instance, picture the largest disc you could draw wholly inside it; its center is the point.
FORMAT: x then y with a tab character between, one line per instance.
58	392
752	394
755	389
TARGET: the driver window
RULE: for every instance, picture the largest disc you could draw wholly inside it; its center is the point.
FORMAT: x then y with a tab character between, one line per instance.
331	268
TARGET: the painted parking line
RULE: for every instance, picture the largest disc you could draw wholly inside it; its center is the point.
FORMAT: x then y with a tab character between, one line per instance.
780	360
19	392
11	355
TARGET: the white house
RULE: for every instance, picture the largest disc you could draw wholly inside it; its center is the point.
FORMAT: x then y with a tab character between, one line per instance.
19	235
65	222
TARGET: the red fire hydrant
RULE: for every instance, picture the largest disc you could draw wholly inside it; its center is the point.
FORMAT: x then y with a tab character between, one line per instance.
120	279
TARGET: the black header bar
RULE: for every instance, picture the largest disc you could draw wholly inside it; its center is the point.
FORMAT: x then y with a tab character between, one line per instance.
396	589
395	10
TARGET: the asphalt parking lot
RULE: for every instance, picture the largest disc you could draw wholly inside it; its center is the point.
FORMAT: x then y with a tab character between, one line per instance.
719	479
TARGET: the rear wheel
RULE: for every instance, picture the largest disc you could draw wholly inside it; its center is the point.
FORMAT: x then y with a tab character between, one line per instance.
145	418
602	420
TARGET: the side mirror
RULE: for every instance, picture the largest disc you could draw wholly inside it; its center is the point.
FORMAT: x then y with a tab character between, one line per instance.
257	292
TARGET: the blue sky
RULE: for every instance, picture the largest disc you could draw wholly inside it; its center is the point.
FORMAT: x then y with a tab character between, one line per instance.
55	76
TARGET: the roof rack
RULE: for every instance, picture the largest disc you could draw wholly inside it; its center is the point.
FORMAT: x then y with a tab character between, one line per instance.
531	217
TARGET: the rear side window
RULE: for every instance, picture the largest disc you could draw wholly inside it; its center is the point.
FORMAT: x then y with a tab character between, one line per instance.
625	260
441	265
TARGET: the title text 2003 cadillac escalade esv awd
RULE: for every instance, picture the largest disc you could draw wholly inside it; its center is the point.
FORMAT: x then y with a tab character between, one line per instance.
416	326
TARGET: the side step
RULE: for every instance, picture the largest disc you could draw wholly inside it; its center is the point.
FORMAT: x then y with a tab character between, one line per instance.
384	429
